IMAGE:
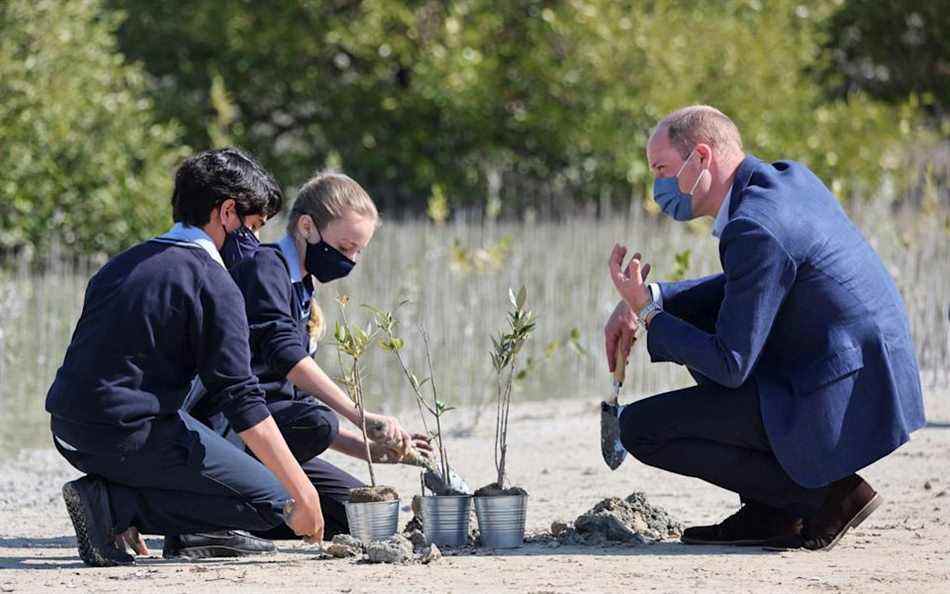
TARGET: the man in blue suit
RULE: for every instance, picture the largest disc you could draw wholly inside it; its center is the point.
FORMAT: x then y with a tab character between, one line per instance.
801	348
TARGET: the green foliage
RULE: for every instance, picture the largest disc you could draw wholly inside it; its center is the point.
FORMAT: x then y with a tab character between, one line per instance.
504	355
681	265
86	165
892	50
354	342
508	106
385	323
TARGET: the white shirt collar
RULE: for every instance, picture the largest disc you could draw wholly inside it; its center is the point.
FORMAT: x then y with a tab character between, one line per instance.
181	234
722	217
289	249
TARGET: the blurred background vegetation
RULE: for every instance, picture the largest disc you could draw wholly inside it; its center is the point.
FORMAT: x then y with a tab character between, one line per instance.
480	108
504	141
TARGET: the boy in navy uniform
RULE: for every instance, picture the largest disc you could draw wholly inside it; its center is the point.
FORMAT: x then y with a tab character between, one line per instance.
155	316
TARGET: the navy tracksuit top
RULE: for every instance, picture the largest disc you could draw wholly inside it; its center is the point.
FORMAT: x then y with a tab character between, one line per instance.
276	317
154	316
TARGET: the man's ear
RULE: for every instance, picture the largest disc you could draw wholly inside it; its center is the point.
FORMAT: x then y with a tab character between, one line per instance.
705	153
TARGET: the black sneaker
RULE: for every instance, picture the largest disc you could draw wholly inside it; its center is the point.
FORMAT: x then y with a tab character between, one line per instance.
206	545
87	501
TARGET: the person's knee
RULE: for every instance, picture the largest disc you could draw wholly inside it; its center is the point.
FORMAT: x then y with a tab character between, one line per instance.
312	433
636	432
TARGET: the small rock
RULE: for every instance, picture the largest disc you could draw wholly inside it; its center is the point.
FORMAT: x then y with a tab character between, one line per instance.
344	545
417	538
927	486
941	494
431	553
395	549
558	528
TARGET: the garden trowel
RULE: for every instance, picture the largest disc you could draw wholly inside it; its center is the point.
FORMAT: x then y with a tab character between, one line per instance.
610	446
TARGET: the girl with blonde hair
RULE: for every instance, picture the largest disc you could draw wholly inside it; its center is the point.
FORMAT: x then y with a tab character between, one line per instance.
332	221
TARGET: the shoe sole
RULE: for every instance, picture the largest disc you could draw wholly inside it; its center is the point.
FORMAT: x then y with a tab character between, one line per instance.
728	543
856	521
78	514
216	551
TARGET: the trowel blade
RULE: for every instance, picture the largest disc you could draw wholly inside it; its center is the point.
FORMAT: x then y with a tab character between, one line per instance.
610	446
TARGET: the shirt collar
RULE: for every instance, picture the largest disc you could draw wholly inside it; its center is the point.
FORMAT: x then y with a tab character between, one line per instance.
182	234
722	217
289	249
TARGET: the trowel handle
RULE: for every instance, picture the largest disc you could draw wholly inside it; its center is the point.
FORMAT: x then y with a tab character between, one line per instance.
620	367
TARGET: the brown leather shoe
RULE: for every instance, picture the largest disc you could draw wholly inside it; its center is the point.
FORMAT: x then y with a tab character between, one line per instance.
850	501
752	525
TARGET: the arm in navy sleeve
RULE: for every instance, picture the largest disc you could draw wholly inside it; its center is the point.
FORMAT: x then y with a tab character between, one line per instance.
696	301
223	355
758	275
265	283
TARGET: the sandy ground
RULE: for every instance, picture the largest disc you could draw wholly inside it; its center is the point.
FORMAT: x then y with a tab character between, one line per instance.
904	546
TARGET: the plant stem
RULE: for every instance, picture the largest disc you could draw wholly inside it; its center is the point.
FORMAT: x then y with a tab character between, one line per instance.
359	404
435	407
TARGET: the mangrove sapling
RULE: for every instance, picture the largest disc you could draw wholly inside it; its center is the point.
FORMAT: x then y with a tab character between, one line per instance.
504	358
431	405
354	342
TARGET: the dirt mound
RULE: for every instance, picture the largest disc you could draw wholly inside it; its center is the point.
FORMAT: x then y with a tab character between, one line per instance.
633	520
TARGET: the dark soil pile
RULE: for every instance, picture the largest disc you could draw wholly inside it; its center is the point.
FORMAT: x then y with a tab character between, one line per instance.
493	490
373	494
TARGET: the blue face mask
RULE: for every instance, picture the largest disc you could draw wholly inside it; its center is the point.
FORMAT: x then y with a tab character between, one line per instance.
238	245
326	263
674	202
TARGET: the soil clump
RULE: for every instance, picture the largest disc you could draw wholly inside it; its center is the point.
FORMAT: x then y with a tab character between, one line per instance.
633	520
494	490
373	494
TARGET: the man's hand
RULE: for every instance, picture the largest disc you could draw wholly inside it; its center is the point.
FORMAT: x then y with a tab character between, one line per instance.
622	328
306	518
630	282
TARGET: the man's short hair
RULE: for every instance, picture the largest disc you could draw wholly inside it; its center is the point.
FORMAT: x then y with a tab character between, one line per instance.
697	124
209	178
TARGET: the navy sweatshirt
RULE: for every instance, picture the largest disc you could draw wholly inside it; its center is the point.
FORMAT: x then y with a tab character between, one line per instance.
278	327
154	317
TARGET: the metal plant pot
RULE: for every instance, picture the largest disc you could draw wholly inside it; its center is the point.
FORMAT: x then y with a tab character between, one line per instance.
501	520
375	520
445	519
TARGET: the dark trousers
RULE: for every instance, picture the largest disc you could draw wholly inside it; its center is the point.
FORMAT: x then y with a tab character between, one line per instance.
309	428
715	434
186	479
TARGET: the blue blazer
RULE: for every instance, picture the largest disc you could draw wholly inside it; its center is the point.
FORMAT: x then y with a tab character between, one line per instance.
806	310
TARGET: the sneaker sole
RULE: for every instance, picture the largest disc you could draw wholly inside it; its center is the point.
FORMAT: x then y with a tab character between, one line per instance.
216	551
78	513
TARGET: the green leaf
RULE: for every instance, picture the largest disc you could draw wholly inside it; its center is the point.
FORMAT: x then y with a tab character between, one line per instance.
522	297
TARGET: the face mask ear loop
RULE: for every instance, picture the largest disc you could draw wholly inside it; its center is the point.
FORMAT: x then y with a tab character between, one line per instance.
698	179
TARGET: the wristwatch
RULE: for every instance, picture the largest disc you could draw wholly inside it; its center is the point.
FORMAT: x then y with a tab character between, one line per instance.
646	314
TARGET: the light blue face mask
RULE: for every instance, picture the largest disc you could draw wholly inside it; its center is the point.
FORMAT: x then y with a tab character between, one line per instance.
674	202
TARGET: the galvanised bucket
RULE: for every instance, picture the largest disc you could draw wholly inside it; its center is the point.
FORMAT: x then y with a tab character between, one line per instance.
501	520
374	520
445	519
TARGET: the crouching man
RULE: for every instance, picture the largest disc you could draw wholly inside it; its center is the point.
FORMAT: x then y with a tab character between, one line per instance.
801	348
155	316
